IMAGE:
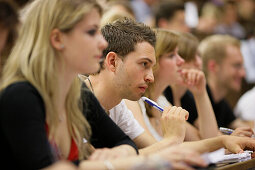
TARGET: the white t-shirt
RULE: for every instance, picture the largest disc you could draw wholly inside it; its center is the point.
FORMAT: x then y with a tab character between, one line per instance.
245	108
124	118
147	121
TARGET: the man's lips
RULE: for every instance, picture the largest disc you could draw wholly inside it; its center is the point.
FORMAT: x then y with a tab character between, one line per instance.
143	88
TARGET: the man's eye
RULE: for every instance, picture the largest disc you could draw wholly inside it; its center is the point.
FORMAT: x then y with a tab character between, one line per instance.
144	64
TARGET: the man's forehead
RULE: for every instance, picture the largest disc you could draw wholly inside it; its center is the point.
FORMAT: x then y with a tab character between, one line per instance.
233	52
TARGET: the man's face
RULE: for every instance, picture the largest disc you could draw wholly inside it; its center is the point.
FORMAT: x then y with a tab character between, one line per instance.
134	73
231	70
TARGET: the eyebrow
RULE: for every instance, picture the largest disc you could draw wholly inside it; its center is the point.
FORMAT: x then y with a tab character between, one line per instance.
149	60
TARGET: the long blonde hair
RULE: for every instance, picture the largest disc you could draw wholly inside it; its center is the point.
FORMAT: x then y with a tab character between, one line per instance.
166	42
33	59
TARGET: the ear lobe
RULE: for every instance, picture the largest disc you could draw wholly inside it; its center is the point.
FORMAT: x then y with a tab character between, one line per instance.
56	39
111	61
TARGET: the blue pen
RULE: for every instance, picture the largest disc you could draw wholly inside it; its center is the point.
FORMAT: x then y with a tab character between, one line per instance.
228	131
153	104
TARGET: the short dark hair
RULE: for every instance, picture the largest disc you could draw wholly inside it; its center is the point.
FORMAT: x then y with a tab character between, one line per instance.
167	9
123	35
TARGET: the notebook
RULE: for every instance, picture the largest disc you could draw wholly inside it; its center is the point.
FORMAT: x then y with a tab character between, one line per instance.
219	157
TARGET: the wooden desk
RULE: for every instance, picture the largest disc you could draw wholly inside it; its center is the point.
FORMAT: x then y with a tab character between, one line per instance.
250	164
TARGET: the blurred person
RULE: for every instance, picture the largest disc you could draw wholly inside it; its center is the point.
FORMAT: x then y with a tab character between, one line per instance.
8	29
171	15
114	14
143	10
246	14
208	20
245	108
229	22
223	66
179	95
121	5
248	52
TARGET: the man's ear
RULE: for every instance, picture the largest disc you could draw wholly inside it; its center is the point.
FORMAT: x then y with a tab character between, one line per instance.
212	66
56	39
111	61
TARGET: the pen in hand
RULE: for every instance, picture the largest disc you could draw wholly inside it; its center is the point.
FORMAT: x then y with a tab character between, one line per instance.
152	103
227	131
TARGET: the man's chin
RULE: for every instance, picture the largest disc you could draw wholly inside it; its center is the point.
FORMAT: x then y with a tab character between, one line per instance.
135	97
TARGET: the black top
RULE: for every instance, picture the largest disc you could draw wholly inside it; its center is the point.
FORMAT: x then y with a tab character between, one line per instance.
23	134
223	112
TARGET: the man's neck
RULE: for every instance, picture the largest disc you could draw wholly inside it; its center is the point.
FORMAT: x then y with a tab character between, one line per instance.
104	92
218	92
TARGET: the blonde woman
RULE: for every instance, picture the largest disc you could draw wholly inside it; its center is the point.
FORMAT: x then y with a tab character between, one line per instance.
41	121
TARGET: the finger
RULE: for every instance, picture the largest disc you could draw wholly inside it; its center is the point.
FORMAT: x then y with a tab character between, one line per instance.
178	112
182	114
185	114
172	110
247	129
246	133
198	78
243	133
166	111
235	148
193	78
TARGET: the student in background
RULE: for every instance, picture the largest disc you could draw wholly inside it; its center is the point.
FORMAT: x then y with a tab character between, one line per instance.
181	96
223	66
169	70
245	106
171	15
8	29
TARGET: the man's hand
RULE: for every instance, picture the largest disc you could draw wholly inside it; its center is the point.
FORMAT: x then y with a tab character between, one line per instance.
238	144
173	122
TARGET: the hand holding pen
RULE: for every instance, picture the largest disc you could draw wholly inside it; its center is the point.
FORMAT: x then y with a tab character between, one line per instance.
241	131
159	108
172	120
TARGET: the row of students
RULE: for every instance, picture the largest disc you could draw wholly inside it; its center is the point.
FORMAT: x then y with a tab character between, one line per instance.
47	115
